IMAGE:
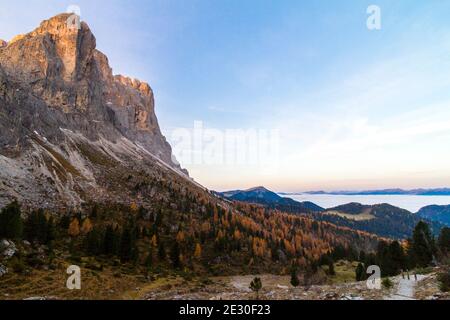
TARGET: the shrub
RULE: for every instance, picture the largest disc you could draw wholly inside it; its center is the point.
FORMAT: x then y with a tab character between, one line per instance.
34	261
255	286
444	281
186	276
331	271
75	258
94	266
360	272
206	281
17	265
426	270
387	283
295	282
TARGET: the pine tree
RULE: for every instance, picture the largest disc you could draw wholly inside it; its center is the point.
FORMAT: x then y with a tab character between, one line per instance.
175	255
50	231
295	282
161	251
94	211
134	252
110	241
11	223
51	252
256	286
149	259
370	260
128	251
125	245
64	222
331	271
391	258
422	245
383	258
360	272
397	258
36	227
444	241
93	242
32	226
362	256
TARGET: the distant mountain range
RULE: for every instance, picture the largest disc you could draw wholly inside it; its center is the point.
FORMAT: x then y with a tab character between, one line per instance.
382	219
261	195
436	213
417	192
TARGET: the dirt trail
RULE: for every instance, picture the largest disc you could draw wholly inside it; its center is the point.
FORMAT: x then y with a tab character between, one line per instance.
406	288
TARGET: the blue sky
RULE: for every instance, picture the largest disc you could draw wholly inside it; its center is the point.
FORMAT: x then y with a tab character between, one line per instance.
355	109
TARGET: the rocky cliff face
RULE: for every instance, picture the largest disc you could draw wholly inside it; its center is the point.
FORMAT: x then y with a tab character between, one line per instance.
62	111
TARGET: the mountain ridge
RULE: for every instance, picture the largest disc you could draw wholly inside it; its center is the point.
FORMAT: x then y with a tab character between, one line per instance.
395	191
262	195
383	219
65	117
436	213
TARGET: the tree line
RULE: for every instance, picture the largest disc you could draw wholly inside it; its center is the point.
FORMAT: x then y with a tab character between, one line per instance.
420	251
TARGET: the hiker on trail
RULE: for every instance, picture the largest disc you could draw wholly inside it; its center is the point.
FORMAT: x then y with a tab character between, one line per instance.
415	276
407	272
403	274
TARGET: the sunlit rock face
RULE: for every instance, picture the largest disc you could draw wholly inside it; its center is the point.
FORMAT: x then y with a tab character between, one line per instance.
57	89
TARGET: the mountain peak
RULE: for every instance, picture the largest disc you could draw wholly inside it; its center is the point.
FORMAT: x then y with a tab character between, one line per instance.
259	189
253	193
262	195
57	88
62	24
136	84
55	49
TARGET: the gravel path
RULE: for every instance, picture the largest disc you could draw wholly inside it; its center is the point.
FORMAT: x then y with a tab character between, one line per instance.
406	288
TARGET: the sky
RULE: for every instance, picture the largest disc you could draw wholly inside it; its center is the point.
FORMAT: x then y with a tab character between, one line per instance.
343	107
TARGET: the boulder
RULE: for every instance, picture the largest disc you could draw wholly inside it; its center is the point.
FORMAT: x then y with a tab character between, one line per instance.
7	249
3	270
